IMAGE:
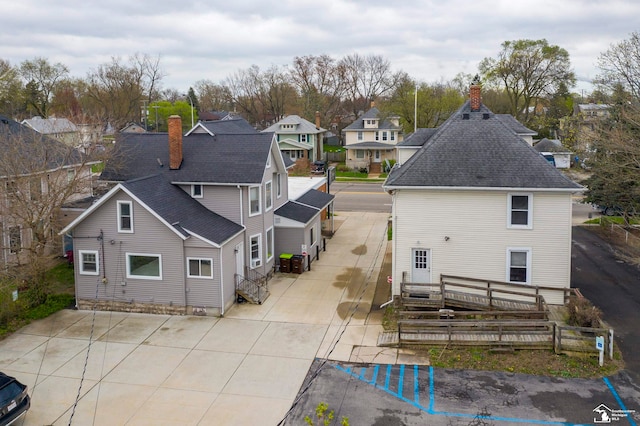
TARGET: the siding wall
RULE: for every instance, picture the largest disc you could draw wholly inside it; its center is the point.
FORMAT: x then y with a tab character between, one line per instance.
150	236
476	224
203	292
224	200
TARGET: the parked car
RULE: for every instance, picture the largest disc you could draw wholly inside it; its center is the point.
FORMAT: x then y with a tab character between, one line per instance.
14	400
610	210
318	167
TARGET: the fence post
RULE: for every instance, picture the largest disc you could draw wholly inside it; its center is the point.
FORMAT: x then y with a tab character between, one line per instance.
317	253
553	337
559	339
309	261
324	244
611	343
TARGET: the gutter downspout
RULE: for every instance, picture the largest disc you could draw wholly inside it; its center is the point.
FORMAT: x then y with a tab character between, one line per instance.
222	302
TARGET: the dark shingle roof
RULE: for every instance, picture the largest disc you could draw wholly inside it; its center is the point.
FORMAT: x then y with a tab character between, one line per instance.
224	159
476	149
511	122
50	152
181	211
418	138
296	211
229	126
369	145
315	198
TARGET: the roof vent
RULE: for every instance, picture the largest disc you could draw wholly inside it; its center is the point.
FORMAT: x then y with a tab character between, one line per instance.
485	116
465	116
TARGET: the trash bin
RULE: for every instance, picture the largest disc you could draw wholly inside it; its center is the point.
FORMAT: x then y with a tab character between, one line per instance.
285	262
297	264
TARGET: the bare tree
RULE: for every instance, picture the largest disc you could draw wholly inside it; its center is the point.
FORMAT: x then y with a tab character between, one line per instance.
38	175
212	96
42	80
321	82
368	77
620	64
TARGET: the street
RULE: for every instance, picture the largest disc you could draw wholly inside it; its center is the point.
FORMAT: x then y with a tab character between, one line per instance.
357	196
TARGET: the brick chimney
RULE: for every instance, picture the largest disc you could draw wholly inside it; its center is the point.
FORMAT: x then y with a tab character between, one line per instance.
175	142
317	119
475	94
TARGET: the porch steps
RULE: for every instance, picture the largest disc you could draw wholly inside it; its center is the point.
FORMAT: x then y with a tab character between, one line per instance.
388	339
253	294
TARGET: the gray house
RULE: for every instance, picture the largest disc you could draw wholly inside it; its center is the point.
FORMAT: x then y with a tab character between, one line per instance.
189	225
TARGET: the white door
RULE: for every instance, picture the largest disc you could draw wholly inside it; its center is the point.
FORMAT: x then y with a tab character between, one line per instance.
376	156
239	250
421	265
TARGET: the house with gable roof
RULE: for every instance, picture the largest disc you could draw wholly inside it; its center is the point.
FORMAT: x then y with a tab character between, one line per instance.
58	128
299	139
190	225
476	200
371	139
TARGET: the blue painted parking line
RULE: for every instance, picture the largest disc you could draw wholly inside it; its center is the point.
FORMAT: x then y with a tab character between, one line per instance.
618	399
431	408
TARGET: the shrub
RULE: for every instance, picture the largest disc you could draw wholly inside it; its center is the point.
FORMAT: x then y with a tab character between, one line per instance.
582	313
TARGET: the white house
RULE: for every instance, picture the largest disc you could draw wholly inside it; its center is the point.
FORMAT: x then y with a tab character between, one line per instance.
478	201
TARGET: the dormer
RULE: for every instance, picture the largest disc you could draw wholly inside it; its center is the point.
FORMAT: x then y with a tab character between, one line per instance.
288	126
370	123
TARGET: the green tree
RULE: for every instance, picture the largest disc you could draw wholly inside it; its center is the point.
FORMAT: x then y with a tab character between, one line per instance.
165	109
528	69
191	94
11	89
43	79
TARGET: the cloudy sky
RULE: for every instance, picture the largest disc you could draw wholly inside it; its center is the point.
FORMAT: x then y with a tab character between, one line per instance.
429	39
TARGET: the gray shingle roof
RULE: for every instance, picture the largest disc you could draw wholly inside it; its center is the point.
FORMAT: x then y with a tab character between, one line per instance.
50	125
476	149
301	126
358	124
296	211
229	126
315	198
177	208
511	122
34	145
418	138
224	159
548	145
370	145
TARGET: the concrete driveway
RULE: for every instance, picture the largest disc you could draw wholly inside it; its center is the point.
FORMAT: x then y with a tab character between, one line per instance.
243	369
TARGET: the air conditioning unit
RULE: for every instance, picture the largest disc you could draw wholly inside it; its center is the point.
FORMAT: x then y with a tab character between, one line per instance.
256	262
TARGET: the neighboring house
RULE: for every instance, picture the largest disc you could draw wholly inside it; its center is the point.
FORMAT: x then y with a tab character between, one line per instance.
412	143
223	127
299	139
190	223
40	177
57	128
133	128
371	139
554	152
588	118
477	201
520	129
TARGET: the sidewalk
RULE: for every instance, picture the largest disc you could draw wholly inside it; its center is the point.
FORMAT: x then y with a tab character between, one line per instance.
243	369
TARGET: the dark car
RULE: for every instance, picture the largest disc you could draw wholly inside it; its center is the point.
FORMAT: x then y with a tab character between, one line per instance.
14	400
318	166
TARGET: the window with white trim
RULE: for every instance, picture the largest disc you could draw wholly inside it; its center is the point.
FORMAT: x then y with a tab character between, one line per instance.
278	185
125	216
519	265
254	200
88	262
303	138
392	135
520	209
384	136
359	153
268	196
255	243
199	267
360	135
377	137
312	235
144	266
196	191
270	247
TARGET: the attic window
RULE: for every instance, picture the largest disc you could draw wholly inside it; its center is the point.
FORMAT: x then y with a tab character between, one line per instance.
465	116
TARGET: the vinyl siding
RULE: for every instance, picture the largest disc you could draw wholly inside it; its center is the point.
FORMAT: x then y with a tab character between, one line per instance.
229	270
476	224
224	200
405	153
288	240
150	236
203	291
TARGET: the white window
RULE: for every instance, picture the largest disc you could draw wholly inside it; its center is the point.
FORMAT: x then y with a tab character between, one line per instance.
392	135
125	216
359	153
256	250
360	135
144	266
377	136
254	200
303	138
270	248
268	196
279	185
519	265
520	209
200	268
384	136
88	262
312	236
196	191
